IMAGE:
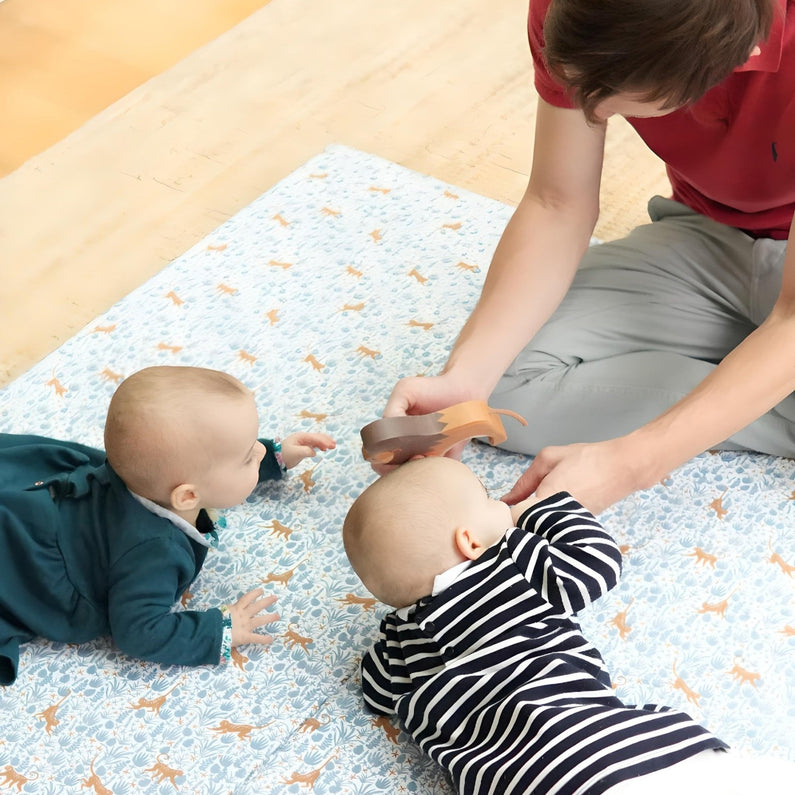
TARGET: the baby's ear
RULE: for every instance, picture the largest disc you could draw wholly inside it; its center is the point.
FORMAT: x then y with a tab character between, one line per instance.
184	497
468	544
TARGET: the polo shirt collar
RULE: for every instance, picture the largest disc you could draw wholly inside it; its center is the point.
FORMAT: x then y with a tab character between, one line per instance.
769	58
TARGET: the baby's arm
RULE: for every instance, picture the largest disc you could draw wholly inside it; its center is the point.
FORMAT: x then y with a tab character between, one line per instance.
298	446
282	455
146	582
570	558
377	676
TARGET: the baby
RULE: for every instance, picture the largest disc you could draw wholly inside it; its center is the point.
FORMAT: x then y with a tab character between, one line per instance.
483	662
95	545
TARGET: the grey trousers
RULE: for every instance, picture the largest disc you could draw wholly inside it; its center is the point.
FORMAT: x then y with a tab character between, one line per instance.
646	319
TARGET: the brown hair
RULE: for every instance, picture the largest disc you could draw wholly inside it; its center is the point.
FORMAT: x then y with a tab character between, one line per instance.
672	51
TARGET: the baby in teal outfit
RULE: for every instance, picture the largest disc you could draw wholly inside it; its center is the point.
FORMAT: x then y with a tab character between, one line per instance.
105	543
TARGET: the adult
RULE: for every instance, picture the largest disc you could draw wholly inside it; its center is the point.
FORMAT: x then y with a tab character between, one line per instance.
645	351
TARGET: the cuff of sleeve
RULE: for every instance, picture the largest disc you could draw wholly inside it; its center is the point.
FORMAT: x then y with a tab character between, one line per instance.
226	634
277	454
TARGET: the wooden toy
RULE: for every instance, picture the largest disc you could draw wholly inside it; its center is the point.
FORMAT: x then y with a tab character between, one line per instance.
393	440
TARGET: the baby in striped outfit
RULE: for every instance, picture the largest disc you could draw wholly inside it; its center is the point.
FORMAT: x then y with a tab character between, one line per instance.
483	663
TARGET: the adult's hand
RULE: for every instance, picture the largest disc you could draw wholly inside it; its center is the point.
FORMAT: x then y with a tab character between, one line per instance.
423	395
596	474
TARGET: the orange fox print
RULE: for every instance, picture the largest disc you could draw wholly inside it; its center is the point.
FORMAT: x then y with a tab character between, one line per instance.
307	780
744	676
272	316
225	289
221	247
449	195
283	265
10	778
353	307
283	578
60	389
380	190
679	684
162	346
391	732
281	220
717	505
154	705
376	235
293	639
349	269
246	357
161	771
279	530
418	276
239	659
311	415
776	559
306	479
702	558
465	266
316	365
367	603
619	621
329	211
418	324
369	353
242	730
48	715
454	227
174	298
104	329
109	375
313	724
94	782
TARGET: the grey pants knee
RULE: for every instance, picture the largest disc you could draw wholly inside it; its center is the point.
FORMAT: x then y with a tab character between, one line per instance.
646	319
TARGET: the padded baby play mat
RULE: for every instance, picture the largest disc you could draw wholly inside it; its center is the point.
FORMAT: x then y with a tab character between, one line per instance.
348	274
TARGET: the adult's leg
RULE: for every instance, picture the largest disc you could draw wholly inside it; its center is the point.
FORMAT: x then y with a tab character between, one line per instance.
647	318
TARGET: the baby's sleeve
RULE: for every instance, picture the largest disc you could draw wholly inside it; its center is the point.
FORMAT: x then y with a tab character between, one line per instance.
565	553
270	467
377	690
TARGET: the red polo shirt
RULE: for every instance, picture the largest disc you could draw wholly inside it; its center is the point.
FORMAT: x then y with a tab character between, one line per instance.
731	155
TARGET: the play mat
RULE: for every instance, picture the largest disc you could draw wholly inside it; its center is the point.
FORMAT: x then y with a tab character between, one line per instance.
348	274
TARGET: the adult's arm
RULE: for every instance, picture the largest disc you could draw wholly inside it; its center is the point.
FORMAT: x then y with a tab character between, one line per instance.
532	267
752	379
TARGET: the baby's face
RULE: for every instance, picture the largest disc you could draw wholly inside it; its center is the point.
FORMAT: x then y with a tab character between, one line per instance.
235	453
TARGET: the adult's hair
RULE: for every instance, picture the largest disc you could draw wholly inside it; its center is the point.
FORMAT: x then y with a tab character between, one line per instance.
669	51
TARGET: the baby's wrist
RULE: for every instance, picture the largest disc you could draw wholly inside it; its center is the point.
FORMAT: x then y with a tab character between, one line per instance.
277	454
226	634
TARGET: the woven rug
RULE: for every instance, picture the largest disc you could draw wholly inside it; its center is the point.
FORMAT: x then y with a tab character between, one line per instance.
345	276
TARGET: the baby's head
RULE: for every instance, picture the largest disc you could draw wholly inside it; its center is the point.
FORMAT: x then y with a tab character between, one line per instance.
417	521
184	437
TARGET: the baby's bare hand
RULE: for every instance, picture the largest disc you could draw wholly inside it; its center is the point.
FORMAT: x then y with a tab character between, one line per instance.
246	617
298	446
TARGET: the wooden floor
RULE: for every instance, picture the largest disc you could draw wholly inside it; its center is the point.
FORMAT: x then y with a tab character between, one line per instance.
131	180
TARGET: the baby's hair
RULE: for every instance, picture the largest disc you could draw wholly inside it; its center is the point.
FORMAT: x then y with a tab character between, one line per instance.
395	532
148	429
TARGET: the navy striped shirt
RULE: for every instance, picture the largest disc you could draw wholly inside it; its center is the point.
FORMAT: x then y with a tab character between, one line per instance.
495	682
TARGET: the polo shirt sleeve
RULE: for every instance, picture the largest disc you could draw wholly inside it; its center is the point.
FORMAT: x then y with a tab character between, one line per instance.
565	553
547	87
